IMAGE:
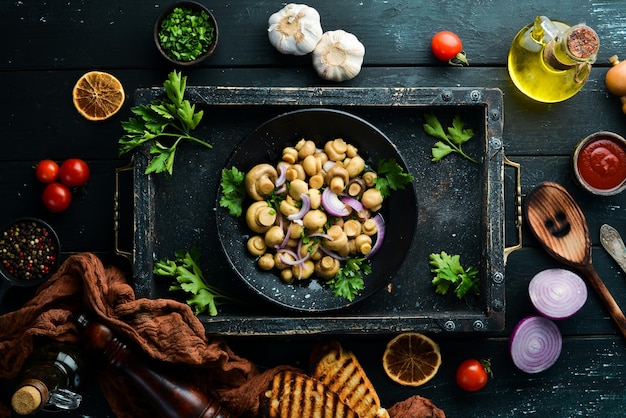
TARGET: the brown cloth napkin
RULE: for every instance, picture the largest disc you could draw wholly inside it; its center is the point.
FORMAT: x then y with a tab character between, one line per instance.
164	329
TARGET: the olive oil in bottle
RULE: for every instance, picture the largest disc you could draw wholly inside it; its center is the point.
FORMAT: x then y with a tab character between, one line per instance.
549	61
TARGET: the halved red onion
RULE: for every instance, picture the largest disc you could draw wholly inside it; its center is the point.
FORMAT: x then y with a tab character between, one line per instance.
557	293
535	344
306	206
332	204
380	235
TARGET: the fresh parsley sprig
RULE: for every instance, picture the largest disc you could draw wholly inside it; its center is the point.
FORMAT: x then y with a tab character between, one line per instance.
349	280
172	118
449	273
233	191
452	141
188	277
391	176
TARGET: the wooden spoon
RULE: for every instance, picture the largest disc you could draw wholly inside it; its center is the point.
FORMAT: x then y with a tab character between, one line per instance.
559	224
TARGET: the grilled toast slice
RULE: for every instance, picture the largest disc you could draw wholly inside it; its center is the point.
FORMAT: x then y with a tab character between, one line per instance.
296	395
340	370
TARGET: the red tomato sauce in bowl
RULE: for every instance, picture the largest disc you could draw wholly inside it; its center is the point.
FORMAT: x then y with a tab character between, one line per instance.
600	163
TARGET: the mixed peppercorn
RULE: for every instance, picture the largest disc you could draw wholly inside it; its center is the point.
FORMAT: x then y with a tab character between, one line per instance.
28	250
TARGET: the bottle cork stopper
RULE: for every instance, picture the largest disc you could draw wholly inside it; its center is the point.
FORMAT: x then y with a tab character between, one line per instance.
26	400
583	41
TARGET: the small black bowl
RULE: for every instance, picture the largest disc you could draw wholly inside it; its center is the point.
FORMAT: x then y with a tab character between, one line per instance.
195	7
35	239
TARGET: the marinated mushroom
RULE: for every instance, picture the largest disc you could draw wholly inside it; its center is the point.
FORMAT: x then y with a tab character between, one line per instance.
274	236
314	220
260	216
266	262
338	238
336	149
372	199
297	188
363	243
260	181
304	270
327	267
355	166
288	206
356	186
337	178
256	245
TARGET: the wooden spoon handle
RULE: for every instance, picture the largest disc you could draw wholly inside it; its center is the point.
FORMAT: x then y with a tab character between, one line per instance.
598	285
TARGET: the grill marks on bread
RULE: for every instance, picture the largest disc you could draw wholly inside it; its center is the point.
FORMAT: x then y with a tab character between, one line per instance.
343	374
293	394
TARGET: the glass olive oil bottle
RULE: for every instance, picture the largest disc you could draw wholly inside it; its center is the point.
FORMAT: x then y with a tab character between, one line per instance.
549	61
49	380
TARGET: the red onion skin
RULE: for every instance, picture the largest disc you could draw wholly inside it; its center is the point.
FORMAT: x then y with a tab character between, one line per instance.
557	293
535	344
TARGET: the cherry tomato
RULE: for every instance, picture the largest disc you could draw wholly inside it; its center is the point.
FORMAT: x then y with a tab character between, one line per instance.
472	374
56	197
47	171
74	172
447	46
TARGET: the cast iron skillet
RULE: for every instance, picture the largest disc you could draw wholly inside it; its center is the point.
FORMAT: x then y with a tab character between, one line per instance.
265	144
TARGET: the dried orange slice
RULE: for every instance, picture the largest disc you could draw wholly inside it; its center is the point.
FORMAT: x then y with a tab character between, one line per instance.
411	359
98	95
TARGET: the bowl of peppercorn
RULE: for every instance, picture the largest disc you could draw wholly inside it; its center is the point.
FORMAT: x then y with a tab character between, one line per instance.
186	33
29	250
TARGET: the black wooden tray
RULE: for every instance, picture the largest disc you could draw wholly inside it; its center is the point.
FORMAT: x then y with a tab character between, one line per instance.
460	208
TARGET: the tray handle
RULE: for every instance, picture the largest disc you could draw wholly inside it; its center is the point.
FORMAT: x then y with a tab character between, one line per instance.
518	208
116	212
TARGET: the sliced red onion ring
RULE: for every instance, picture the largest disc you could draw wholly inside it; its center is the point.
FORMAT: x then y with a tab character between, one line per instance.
557	293
332	253
332	204
328	165
287	236
356	205
306	206
282	174
380	235
535	344
296	261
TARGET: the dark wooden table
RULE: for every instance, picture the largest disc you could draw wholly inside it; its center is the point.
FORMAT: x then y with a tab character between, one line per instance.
48	45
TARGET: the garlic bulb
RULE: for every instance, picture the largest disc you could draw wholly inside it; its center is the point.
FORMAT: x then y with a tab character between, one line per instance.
338	56
295	29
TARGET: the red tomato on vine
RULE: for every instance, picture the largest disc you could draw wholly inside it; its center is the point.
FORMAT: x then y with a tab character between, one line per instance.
447	46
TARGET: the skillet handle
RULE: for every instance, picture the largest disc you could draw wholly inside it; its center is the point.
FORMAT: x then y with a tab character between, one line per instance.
116	212
518	208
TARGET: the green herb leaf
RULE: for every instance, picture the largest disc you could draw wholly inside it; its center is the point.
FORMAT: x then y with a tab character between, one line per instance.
449	273
170	119
451	141
233	191
189	278
349	280
391	176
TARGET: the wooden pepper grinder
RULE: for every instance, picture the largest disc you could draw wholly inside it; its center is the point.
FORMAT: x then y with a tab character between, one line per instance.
171	398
